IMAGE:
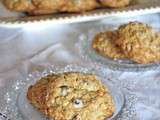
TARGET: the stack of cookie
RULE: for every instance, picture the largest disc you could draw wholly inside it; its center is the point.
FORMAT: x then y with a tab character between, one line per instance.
53	6
135	41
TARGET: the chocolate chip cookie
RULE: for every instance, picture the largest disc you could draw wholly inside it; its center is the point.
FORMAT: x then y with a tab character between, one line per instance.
72	96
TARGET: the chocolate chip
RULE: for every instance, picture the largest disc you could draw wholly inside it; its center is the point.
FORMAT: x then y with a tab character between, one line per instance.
78	103
76	117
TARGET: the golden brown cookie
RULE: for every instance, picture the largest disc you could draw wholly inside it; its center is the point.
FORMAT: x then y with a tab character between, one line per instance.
139	42
37	94
50	6
79	5
72	96
34	6
103	44
115	3
19	5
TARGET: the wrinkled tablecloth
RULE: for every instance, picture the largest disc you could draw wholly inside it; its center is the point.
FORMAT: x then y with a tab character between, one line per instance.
25	50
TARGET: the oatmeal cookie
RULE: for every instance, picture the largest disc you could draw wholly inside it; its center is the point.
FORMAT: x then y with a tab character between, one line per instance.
37	94
72	96
139	42
34	6
103	44
50	6
115	3
79	5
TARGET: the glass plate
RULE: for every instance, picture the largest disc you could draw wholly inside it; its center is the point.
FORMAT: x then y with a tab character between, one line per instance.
18	108
88	53
30	113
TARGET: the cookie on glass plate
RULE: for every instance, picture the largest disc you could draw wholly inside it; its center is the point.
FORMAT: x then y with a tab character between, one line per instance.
72	96
139	42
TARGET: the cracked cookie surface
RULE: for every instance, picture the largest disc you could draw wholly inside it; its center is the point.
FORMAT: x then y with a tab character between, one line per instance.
115	3
38	7
50	6
72	96
139	42
103	43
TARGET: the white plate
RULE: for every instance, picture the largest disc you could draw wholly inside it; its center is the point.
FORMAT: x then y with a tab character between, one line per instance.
138	7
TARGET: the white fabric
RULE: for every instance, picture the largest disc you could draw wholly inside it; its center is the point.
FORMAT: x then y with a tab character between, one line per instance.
24	50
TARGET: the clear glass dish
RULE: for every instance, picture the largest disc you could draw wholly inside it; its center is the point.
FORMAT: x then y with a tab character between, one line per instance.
30	113
20	109
88	53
